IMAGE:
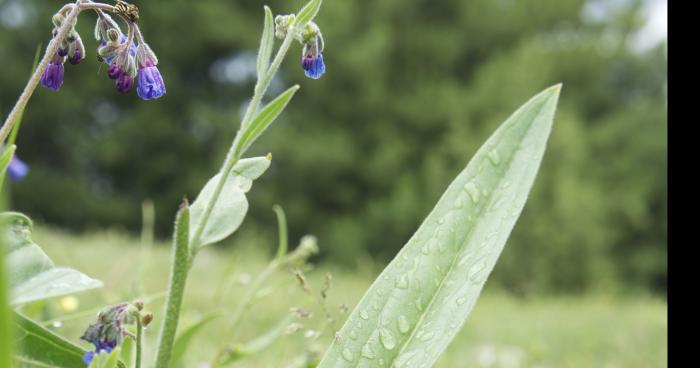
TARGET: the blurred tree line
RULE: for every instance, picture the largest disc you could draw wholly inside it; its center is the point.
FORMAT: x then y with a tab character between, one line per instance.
360	156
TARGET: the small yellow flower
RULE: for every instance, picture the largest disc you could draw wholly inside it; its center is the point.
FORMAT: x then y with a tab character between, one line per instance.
69	303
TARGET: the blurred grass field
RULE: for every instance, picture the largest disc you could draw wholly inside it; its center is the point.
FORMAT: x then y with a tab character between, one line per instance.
503	331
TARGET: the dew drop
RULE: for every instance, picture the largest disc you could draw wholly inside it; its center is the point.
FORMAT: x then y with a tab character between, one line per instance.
473	191
347	355
461	301
494	157
367	352
459	203
57	324
419	304
387	338
381	362
402	282
353	335
403	324
464	260
364	315
403	359
427	336
425	250
476	272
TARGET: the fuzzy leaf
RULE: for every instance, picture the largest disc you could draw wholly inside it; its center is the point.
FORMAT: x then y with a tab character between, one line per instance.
419	302
264	118
231	207
267	43
32	275
308	12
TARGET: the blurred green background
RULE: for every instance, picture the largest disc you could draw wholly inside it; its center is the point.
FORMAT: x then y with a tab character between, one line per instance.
360	156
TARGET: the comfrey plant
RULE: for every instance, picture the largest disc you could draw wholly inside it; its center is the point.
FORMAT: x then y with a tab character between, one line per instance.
407	317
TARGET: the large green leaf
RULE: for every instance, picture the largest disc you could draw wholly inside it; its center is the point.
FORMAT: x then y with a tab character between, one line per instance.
39	347
419	302
32	275
230	208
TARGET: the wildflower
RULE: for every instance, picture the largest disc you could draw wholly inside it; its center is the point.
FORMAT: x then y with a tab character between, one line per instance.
313	65
312	57
53	74
99	347
125	83
151	84
109	330
76	49
17	169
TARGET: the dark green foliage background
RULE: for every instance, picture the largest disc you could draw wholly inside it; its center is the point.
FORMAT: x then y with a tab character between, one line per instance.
361	155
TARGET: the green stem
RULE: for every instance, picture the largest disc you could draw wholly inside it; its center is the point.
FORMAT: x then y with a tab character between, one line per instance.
234	153
139	332
176	289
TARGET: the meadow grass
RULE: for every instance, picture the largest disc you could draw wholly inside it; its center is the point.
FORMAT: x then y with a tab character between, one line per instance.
503	331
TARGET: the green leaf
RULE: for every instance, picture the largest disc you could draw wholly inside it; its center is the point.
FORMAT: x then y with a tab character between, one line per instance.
182	342
419	302
230	209
266	43
41	347
308	12
264	118
5	159
32	275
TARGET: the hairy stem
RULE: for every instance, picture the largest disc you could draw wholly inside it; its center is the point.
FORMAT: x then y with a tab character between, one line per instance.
139	332
176	288
51	50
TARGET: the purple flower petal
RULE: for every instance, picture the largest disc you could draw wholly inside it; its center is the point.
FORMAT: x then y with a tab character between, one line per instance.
53	76
151	85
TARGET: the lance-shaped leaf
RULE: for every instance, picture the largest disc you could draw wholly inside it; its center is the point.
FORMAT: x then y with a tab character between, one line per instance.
419	302
39	347
230	208
266	43
263	120
32	275
308	12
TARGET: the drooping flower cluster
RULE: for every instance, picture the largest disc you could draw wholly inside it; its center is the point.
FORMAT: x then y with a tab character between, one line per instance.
126	55
109	330
312	40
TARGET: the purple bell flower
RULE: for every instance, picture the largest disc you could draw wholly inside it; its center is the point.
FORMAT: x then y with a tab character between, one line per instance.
125	83
99	347
76	58
17	169
151	85
53	75
114	71
313	66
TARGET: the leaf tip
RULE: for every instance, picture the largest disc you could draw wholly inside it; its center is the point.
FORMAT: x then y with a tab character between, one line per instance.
269	156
